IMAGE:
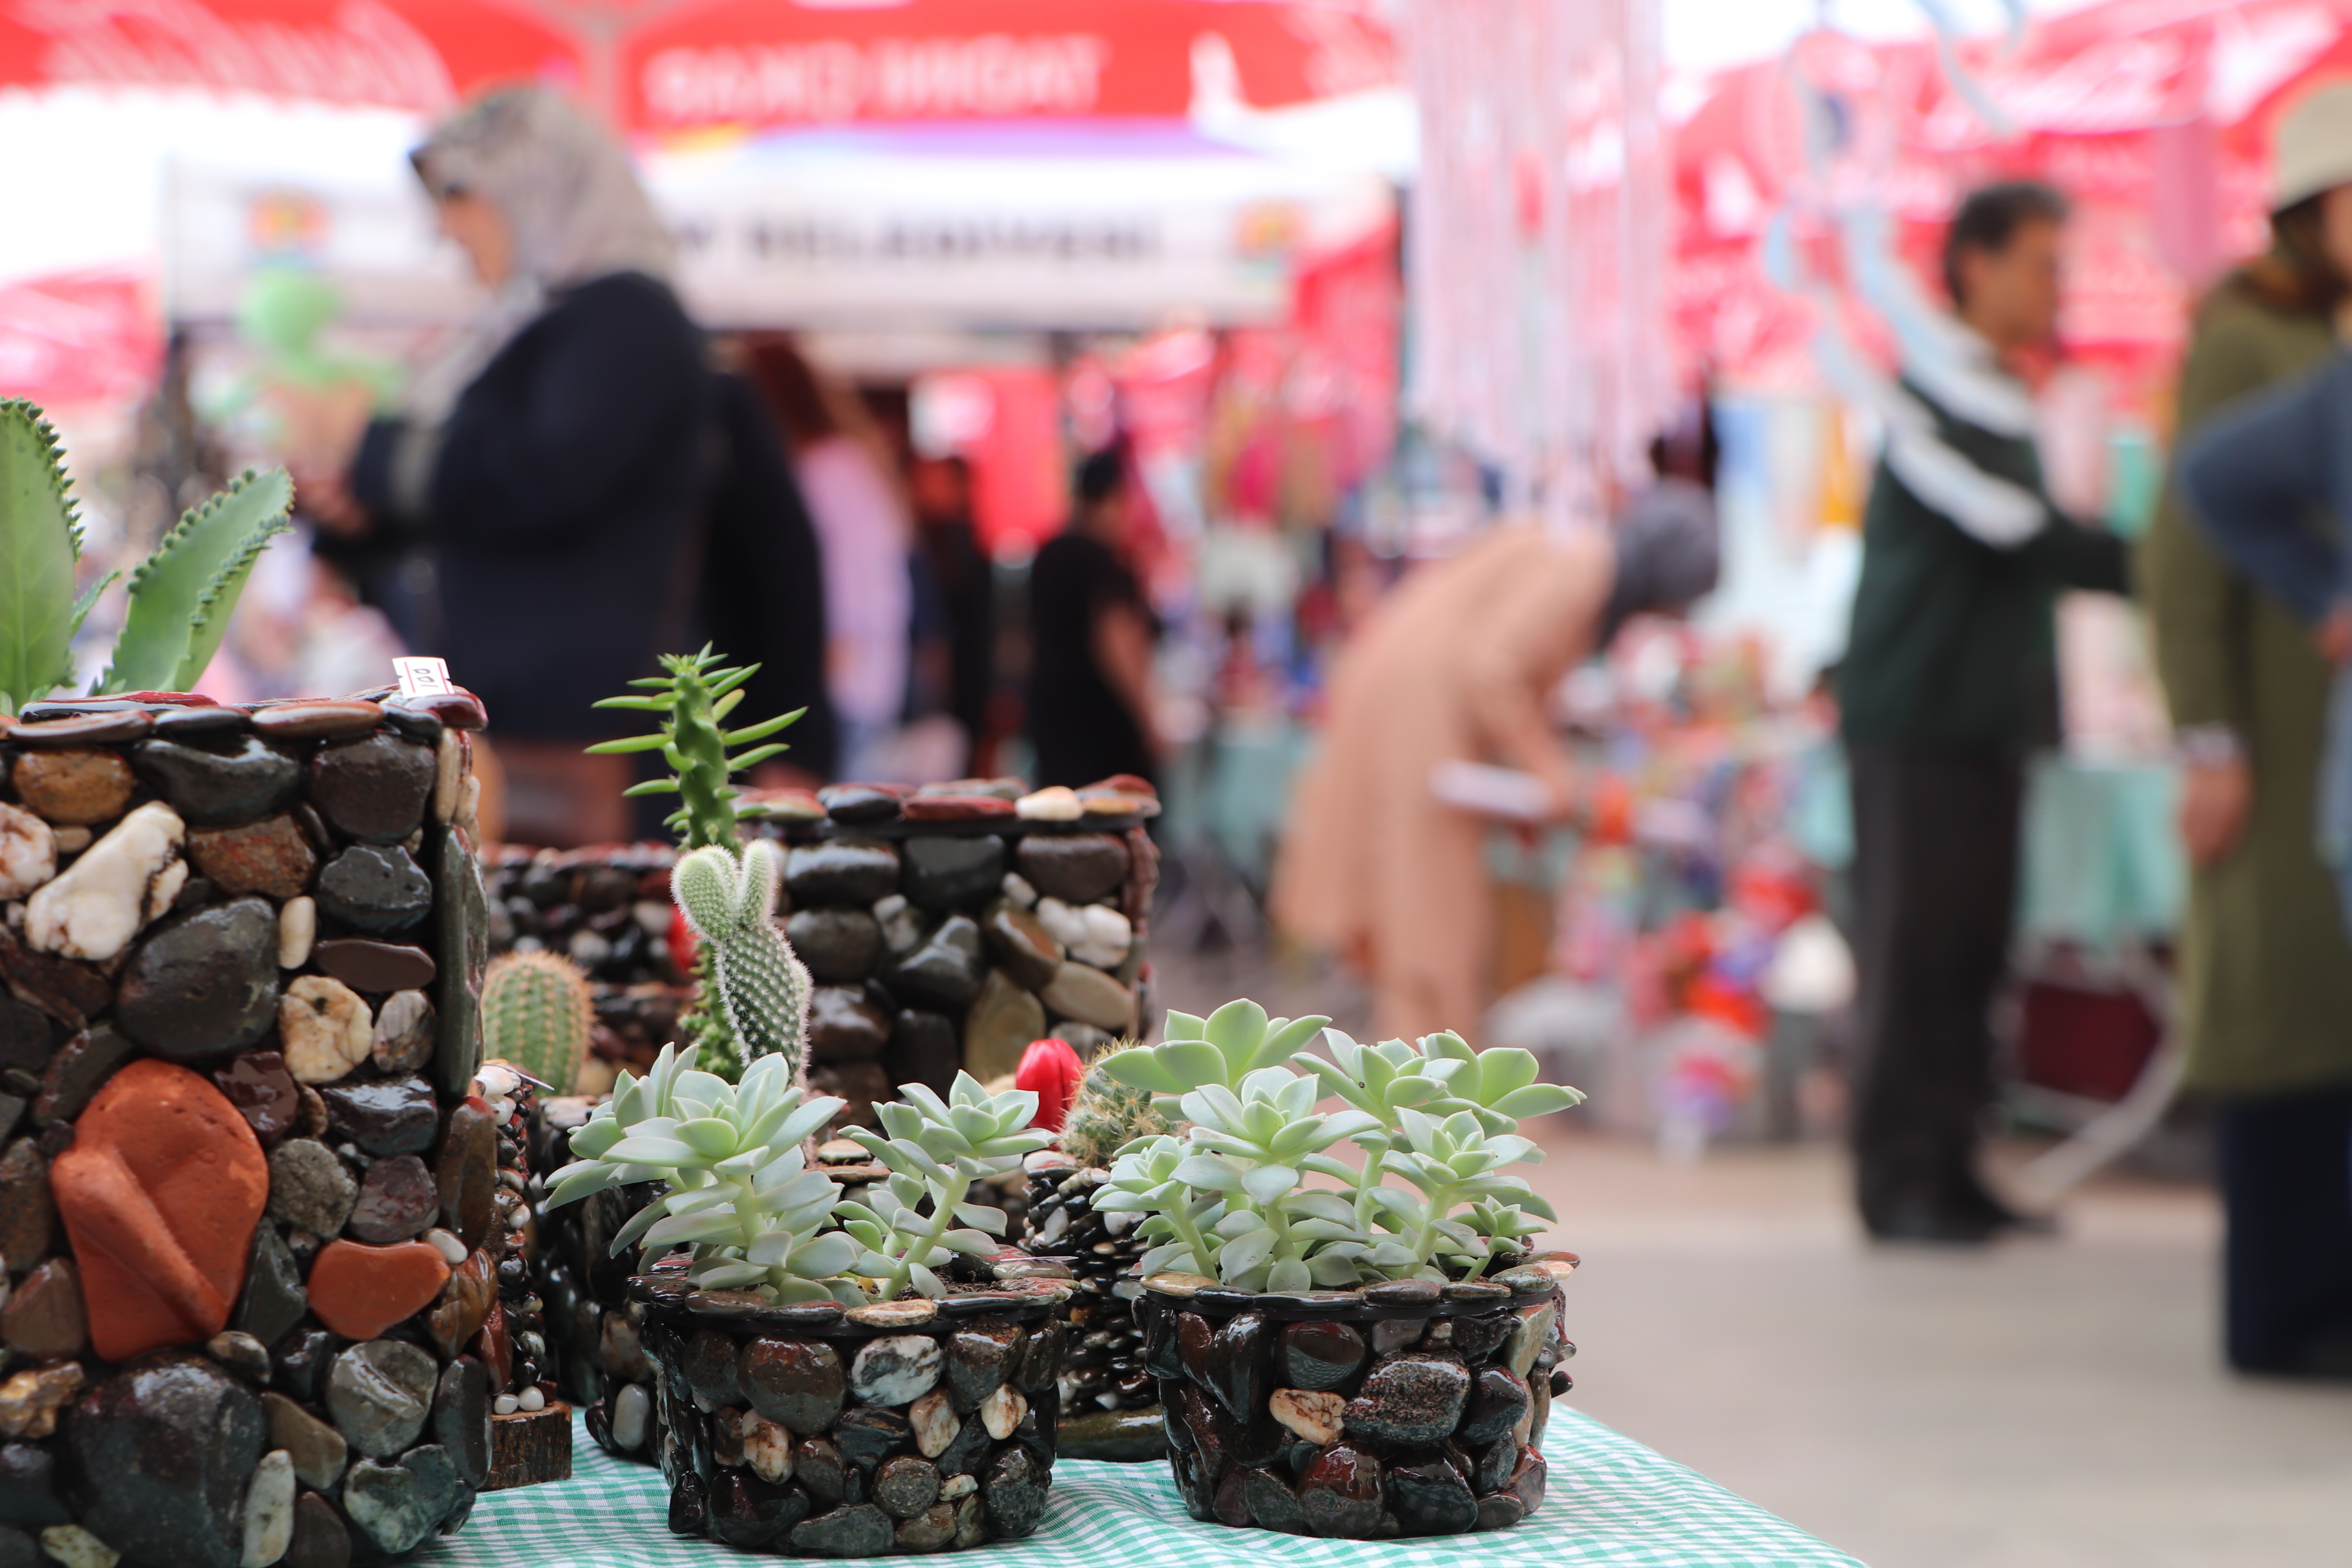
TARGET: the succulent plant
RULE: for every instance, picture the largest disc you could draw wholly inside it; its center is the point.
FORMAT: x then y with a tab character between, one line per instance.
693	697
1225	1200
537	1014
739	1191
180	596
730	902
1107	1114
936	1149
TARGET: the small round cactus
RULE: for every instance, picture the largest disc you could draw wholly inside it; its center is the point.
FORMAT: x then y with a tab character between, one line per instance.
536	1015
1107	1115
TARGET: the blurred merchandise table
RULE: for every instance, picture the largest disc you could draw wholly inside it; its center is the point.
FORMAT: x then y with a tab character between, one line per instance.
1610	1500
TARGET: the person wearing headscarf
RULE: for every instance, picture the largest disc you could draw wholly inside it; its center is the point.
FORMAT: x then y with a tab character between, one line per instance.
1949	681
557	459
1458	664
2265	963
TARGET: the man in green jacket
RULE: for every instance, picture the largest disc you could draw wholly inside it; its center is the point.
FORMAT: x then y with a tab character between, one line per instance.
1949	680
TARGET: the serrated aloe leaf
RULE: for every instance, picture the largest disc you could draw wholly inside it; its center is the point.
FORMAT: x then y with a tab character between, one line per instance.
183	595
39	544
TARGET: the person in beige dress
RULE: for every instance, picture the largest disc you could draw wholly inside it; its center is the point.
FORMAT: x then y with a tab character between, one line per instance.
1458	664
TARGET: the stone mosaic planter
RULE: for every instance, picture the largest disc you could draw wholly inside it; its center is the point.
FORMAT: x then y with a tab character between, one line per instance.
807	1430
1402	1408
1110	1402
249	1194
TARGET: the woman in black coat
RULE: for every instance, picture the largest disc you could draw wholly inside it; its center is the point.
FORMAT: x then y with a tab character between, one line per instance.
560	463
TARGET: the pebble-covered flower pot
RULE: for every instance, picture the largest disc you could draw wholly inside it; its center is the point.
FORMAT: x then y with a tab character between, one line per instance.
1110	1402
249	1199
810	1430
1401	1408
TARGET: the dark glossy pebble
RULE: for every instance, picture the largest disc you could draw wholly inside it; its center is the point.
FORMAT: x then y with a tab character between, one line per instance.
1402	1293
1341	1493
416	725
1479	1292
204	984
1429	1497
1075	867
838	945
1475	1338
200	723
1224	1296
317	718
263	1091
219	788
374	888
1320	1355
1238	1365
858	1529
375	788
1409	1400
75	708
390	1116
868	1434
1497	1399
114	729
974	1305
1527	1281
690	1500
946	970
846	1025
950	873
1015	1492
846	871
459	710
750	1514
367	965
855	804
806	1314
708	1365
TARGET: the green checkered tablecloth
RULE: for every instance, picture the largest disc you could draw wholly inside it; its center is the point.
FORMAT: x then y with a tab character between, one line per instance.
1612	1503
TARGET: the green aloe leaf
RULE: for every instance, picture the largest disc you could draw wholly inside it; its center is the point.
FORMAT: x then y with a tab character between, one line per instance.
182	596
40	541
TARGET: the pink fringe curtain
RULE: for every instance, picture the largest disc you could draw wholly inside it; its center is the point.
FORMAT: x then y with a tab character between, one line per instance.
1537	242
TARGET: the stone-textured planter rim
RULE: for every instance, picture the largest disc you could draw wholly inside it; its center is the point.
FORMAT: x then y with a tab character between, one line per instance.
1380	1299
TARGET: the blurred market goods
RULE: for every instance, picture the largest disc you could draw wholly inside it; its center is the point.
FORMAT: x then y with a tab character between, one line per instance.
180	598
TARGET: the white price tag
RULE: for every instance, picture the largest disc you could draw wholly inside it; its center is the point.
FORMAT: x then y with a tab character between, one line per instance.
422	677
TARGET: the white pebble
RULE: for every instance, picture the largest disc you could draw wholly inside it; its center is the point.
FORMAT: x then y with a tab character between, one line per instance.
470	804
767	1448
29	852
1016	888
496	1080
122	882
268	1511
631	1411
452	1250
324	1028
75	1547
298	923
1002	1411
589	950
956	1487
531	1400
1056	803
653	919
505	1405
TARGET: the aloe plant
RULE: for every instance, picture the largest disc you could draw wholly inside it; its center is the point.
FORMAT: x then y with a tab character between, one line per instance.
738	1191
180	596
1225	1199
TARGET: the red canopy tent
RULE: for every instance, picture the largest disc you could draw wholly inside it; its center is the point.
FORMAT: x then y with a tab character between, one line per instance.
2153	115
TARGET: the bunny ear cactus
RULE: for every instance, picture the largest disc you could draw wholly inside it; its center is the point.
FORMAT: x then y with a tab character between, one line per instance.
180	596
1225	1199
730	902
936	1149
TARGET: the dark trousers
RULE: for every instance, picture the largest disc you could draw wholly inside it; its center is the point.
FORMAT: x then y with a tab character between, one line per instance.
2285	1170
1934	889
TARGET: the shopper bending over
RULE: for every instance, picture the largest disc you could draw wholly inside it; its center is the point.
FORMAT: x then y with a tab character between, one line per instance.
1950	679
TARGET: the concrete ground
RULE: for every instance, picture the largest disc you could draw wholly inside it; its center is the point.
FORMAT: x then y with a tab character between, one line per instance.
2047	1402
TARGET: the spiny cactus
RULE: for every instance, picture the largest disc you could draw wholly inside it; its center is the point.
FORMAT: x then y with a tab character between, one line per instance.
181	597
1108	1115
536	1014
695	696
730	902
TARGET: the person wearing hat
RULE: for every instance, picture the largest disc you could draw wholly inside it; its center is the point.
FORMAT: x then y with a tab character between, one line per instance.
2265	964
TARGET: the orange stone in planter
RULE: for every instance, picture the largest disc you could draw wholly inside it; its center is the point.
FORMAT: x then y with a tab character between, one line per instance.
160	1194
359	1290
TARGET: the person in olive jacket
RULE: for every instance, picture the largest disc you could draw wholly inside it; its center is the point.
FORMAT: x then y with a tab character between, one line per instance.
2265	966
1950	679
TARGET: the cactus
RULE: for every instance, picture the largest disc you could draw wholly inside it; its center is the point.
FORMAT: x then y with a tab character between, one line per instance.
730	902
1107	1115
181	597
695	696
536	1016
